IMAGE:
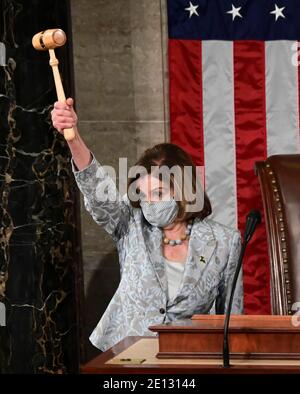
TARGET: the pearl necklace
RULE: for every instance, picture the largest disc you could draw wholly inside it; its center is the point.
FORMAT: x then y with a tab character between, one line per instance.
174	242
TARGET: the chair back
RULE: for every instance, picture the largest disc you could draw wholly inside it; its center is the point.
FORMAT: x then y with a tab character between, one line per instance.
279	178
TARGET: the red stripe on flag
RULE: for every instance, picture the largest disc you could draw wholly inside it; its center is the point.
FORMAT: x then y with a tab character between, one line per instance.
186	106
251	146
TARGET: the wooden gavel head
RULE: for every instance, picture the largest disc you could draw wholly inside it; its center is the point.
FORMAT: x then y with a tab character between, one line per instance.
49	39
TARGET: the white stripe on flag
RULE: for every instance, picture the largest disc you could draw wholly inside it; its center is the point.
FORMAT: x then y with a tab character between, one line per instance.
219	129
282	108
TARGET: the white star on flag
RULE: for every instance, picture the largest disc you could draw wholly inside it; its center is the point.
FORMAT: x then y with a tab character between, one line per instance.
235	12
278	12
192	9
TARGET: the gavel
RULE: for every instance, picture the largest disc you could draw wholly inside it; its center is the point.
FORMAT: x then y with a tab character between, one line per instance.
49	40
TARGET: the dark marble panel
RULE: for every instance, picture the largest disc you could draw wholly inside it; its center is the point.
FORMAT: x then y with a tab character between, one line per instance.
40	254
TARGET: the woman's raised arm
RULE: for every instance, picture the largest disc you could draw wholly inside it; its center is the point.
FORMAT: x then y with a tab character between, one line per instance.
101	197
64	116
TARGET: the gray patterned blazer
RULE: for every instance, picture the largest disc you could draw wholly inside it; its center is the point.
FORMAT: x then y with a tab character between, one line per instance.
142	299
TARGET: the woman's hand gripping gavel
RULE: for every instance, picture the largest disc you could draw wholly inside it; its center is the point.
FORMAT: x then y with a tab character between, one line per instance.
63	115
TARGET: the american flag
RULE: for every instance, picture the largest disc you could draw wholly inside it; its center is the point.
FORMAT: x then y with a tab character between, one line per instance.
234	99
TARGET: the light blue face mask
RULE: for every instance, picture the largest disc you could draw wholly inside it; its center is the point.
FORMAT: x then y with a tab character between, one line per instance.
160	213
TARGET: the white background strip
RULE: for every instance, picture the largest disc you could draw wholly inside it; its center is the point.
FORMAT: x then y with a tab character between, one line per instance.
219	130
281	98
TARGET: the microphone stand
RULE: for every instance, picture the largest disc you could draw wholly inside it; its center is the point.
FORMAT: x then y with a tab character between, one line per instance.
253	219
226	363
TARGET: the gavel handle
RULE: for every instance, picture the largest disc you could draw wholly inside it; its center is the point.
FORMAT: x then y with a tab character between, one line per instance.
69	134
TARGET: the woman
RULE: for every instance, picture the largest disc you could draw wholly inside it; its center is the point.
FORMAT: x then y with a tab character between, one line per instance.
174	263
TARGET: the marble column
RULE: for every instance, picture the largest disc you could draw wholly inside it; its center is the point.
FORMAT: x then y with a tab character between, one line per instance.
40	254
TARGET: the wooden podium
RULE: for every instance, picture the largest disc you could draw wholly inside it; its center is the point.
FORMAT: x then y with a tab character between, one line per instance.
258	345
250	337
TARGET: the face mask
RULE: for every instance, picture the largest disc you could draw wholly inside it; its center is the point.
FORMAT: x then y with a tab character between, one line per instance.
160	213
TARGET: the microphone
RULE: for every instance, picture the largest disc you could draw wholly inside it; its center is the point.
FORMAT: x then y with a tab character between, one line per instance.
253	219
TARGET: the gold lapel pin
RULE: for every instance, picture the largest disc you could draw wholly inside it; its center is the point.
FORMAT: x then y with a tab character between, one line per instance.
202	259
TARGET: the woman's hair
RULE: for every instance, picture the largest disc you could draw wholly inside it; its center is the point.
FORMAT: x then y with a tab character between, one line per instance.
170	155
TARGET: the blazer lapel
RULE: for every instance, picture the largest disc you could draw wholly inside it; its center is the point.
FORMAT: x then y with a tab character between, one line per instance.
201	248
153	242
